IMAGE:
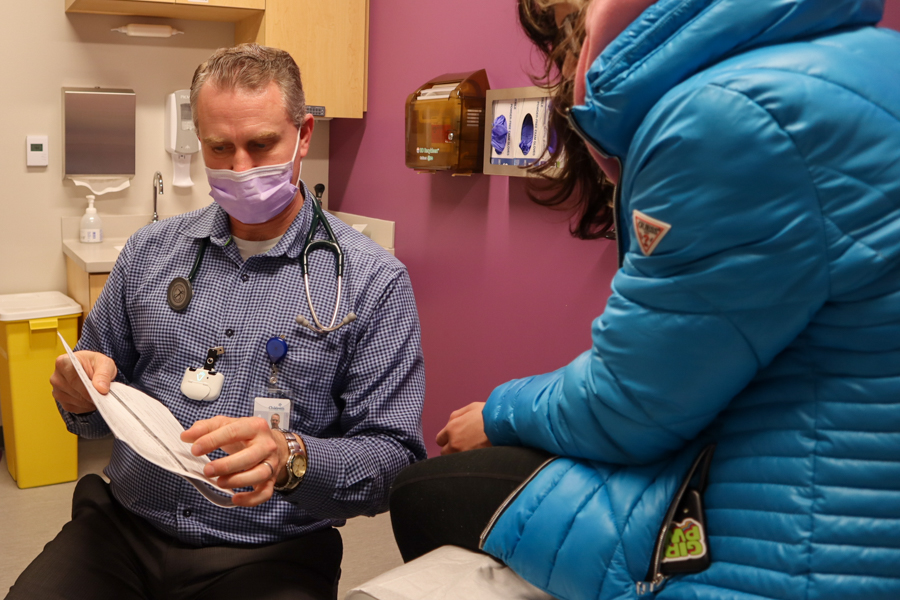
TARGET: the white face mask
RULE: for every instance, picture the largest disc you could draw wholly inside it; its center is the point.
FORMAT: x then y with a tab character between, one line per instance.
258	194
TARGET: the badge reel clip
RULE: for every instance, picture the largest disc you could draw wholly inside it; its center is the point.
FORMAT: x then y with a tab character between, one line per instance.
204	383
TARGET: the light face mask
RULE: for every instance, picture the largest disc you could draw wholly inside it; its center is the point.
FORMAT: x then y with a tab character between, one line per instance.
256	195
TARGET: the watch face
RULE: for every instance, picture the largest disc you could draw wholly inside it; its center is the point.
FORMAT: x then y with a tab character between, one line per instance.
298	466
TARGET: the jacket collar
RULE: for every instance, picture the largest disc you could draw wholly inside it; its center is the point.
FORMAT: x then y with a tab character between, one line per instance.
675	39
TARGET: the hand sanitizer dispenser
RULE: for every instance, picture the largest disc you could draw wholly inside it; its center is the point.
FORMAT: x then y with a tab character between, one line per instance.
181	137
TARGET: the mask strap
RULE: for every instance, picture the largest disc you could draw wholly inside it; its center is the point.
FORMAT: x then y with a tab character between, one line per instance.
294	157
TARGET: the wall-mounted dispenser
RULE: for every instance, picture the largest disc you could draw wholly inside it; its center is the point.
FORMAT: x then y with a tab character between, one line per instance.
99	138
519	131
445	124
181	137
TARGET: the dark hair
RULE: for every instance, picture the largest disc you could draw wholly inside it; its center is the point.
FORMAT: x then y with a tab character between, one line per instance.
579	184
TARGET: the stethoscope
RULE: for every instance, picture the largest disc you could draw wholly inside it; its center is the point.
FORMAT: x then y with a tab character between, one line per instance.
181	291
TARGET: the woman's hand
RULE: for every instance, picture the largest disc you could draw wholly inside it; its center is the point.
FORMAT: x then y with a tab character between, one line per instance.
464	431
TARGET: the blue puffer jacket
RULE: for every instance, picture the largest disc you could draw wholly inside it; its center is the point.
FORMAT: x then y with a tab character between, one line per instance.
761	143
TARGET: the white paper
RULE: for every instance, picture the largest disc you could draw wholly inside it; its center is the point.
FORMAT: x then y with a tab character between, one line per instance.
148	427
101	185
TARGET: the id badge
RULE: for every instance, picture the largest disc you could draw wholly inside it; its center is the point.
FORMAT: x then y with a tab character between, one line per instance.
275	410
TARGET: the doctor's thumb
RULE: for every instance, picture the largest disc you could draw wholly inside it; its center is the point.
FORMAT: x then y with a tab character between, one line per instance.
103	372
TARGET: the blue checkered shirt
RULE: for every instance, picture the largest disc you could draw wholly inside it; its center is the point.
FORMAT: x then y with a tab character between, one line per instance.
356	393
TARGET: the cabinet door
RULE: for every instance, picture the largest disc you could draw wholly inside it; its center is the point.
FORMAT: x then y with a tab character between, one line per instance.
328	39
254	4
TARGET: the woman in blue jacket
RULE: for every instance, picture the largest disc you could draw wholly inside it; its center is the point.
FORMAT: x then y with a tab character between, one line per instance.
754	146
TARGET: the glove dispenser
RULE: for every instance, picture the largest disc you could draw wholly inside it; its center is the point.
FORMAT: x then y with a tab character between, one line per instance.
445	124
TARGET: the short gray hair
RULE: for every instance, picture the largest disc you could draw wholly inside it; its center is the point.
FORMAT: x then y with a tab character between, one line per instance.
252	67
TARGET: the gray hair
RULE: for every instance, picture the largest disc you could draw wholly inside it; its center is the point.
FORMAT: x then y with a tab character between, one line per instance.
252	67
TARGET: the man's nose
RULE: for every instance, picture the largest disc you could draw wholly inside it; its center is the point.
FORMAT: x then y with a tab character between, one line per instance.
241	161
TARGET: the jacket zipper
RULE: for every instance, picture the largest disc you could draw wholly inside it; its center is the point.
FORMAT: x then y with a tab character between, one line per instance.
509	500
655	578
617	189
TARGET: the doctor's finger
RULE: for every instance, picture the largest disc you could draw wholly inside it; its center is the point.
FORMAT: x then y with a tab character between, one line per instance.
244	460
253	477
261	493
203	428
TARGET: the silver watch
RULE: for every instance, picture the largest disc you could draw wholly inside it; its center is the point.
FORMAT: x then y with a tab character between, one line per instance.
297	462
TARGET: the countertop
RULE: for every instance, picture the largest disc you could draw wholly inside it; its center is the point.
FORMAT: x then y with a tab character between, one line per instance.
100	258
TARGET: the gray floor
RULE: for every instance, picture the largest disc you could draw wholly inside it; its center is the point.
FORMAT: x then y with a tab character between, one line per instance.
32	517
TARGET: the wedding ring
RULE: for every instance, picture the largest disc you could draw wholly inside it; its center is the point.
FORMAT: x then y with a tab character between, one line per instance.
271	468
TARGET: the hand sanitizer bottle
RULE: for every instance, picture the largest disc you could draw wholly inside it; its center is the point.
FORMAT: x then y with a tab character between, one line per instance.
91	227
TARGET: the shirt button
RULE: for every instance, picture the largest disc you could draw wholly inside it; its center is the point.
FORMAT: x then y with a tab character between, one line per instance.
245	277
187	513
229	332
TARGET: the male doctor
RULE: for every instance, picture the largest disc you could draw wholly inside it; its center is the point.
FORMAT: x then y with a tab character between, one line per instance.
355	394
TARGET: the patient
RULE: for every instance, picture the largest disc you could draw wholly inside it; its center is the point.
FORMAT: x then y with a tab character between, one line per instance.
744	154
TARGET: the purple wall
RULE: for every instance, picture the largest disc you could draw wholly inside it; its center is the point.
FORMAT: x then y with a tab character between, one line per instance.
503	290
892	14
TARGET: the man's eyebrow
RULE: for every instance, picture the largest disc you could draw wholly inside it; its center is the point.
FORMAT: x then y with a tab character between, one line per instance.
214	141
218	141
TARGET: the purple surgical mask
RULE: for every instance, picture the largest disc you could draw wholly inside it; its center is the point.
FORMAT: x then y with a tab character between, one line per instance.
255	195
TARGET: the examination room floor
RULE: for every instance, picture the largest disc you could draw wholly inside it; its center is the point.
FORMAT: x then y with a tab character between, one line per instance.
32	517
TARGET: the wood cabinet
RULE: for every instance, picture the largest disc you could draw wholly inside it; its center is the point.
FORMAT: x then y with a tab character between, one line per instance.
82	286
329	39
213	10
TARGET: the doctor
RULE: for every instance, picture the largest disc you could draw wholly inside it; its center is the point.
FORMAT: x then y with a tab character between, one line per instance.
353	396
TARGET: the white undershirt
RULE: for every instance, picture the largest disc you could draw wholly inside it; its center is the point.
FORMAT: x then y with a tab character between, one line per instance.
249	248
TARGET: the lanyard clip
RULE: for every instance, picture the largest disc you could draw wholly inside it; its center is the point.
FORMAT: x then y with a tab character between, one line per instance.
212	355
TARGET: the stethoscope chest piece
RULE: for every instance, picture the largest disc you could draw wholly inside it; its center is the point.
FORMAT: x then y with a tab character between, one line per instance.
179	294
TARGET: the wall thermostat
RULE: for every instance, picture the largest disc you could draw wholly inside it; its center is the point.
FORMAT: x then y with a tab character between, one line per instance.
36	152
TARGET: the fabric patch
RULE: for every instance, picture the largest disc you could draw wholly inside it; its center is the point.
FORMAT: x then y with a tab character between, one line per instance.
649	231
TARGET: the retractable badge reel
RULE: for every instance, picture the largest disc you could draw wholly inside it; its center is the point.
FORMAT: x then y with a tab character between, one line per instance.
274	404
204	383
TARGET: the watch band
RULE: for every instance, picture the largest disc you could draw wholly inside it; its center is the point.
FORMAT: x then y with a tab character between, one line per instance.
296	454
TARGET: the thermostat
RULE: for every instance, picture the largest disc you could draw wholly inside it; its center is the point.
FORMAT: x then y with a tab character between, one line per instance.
36	152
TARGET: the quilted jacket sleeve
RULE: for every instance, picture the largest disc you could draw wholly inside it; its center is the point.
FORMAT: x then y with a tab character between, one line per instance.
735	280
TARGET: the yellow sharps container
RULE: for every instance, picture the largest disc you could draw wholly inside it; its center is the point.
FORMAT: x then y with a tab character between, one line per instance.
39	449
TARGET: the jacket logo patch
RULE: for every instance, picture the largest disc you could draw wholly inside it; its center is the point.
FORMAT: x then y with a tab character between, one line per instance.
685	542
649	231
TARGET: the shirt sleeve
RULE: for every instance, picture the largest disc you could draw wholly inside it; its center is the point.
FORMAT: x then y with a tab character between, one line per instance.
731	284
381	420
106	330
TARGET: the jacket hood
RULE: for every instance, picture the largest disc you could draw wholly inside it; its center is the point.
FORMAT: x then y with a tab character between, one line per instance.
675	39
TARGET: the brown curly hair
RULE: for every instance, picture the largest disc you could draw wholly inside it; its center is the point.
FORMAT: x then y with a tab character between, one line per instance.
579	184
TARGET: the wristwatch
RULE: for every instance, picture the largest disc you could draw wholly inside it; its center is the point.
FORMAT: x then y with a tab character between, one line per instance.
296	462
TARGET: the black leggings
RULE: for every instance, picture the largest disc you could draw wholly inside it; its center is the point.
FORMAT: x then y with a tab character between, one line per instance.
450	499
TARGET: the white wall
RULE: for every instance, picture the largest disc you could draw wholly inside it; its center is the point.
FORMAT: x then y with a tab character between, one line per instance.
44	50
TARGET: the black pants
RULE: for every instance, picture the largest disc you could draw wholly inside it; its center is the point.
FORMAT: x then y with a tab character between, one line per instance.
451	499
105	551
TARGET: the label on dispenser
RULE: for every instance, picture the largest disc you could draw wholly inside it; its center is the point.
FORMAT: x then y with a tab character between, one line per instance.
90	236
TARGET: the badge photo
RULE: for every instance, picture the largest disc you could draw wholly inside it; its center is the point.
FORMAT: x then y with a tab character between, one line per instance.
275	411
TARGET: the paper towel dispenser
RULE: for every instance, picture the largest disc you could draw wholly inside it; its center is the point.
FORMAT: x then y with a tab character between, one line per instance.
98	132
445	124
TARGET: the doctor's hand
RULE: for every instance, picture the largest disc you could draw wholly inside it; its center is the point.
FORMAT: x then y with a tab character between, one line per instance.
464	431
252	448
67	387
